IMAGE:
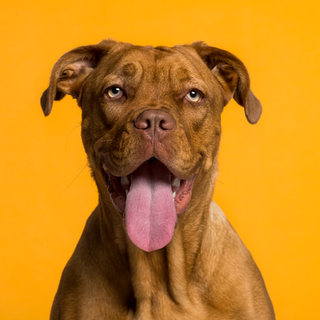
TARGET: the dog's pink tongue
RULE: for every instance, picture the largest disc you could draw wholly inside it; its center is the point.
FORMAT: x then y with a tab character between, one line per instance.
150	211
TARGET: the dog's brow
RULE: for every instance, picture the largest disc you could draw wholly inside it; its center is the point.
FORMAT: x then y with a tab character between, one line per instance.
183	72
186	78
129	70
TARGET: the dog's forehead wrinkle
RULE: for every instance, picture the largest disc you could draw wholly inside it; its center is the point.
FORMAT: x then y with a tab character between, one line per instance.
164	49
165	68
129	69
185	75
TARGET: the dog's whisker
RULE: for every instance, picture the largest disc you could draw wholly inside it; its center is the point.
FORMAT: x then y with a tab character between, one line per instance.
75	178
68	136
219	181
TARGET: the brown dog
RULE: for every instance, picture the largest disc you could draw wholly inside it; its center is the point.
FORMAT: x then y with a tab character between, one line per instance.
151	129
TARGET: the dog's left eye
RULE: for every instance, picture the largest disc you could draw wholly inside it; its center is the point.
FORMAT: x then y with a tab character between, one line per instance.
114	93
194	96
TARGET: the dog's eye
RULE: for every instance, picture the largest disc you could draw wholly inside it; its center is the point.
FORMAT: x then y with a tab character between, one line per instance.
114	93
194	95
67	73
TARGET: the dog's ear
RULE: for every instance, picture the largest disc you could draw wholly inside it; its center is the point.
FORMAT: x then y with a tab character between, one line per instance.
233	77
71	70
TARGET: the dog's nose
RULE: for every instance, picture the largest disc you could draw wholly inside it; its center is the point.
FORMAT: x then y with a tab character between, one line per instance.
155	123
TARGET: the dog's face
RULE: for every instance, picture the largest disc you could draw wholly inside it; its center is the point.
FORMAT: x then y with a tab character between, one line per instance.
151	124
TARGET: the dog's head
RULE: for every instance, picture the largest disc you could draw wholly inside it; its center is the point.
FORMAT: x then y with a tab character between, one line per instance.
151	124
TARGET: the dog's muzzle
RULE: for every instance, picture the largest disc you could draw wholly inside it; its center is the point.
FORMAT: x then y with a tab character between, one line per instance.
151	197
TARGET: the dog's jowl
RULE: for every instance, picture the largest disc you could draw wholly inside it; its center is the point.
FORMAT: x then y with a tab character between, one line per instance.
156	246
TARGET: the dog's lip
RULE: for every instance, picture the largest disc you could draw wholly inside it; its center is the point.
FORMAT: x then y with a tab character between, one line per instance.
120	186
123	183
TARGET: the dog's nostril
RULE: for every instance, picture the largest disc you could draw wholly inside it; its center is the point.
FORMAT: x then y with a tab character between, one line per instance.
166	124
142	123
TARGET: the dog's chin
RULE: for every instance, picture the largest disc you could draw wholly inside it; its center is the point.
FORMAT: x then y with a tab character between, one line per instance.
119	187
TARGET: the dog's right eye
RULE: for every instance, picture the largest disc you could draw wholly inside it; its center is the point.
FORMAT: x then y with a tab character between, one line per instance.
114	93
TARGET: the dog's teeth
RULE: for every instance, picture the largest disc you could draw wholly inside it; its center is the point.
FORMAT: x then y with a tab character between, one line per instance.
124	181
174	194
127	191
176	182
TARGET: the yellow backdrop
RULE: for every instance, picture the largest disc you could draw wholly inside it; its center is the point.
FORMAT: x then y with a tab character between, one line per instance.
269	173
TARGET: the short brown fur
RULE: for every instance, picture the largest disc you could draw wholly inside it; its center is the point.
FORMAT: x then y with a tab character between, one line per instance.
205	272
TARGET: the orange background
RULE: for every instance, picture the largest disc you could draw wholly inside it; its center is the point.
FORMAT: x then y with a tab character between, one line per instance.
269	173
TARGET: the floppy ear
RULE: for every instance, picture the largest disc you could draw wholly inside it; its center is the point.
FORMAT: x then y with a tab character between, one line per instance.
233	77
71	70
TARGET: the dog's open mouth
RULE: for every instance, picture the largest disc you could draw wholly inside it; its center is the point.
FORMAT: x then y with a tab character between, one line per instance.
151	198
